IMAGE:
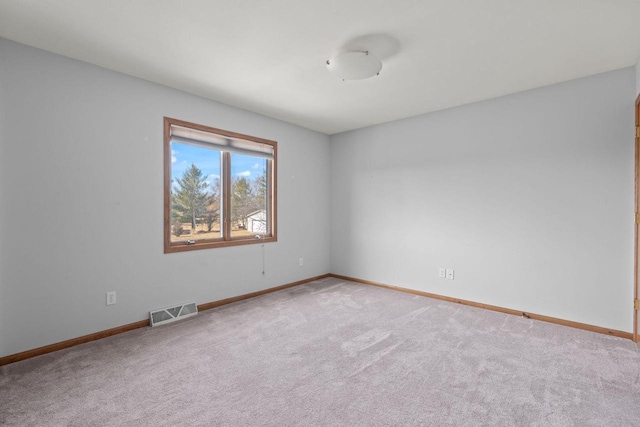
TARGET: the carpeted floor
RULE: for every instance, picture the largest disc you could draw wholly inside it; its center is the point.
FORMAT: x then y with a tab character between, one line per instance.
333	353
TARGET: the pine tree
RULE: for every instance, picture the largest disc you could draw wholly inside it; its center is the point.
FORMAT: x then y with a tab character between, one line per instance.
241	200
190	196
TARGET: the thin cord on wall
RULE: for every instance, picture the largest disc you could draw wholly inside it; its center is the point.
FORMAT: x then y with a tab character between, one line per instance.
263	259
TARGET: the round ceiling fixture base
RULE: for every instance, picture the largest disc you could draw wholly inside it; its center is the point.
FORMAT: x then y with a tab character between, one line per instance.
355	65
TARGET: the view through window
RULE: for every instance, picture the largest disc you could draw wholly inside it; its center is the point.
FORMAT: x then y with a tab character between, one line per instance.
219	187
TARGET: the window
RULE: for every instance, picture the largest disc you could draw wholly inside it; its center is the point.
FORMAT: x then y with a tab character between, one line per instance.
219	187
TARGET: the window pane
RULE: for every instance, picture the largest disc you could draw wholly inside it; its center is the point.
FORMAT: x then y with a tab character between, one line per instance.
195	193
249	195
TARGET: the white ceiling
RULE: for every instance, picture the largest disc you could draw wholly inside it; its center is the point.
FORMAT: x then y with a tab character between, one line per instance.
268	56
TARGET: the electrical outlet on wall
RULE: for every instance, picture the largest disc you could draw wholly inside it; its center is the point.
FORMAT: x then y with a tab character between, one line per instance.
442	273
449	273
111	298
301	261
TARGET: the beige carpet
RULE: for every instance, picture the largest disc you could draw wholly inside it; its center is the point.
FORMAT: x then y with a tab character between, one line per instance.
333	353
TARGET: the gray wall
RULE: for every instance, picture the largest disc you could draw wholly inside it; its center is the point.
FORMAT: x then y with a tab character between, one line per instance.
529	197
81	199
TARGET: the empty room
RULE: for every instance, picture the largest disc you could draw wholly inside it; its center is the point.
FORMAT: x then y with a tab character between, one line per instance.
319	213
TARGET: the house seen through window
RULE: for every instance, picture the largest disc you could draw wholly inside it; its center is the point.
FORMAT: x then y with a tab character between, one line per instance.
219	187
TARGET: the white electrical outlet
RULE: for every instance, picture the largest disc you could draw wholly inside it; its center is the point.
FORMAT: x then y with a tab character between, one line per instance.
111	298
442	273
449	273
301	261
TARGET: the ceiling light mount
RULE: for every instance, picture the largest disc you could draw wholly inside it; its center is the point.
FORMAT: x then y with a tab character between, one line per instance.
355	65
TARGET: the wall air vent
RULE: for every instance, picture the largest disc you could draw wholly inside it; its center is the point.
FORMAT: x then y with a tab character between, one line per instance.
171	314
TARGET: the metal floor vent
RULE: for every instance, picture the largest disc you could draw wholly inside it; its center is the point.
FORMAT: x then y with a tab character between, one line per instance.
171	314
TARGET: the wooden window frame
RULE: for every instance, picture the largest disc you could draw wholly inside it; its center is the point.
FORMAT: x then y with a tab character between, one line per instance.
227	239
